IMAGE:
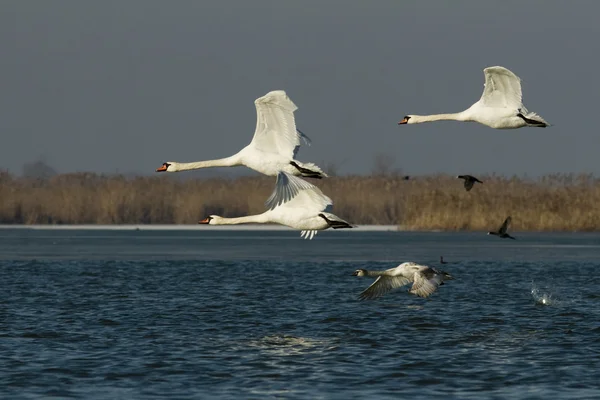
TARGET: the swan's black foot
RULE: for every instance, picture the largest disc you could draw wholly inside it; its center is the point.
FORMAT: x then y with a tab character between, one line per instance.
533	122
307	173
336	224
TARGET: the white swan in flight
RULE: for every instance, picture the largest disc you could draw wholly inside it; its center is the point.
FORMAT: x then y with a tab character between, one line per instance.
501	105
294	203
273	147
425	280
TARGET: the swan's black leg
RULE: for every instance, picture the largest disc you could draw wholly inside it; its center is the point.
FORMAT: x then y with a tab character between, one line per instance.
340	225
532	121
336	224
307	173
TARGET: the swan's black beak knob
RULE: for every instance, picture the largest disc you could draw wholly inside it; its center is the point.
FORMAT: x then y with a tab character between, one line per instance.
404	120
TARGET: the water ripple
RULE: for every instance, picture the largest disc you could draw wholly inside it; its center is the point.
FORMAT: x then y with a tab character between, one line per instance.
93	328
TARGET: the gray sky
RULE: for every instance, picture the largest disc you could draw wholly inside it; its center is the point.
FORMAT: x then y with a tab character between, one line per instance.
111	86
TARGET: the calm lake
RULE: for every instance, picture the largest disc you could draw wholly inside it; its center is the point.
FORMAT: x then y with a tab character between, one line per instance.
224	313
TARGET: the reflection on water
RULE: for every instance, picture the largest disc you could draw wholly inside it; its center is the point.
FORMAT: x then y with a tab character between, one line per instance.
287	345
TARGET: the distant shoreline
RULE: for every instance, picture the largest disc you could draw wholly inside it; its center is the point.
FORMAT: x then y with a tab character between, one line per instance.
553	203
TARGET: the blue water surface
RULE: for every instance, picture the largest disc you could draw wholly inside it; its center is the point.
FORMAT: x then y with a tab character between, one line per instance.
105	314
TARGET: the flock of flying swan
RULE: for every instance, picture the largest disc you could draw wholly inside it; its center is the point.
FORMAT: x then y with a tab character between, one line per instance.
301	205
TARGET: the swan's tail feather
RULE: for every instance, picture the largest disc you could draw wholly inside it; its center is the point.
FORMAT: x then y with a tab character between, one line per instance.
309	170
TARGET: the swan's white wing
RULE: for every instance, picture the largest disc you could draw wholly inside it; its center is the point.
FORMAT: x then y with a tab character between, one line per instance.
275	125
291	191
382	285
309	200
426	282
502	89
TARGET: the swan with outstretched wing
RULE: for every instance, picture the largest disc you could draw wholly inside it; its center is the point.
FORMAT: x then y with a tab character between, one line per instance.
273	148
500	106
294	203
425	280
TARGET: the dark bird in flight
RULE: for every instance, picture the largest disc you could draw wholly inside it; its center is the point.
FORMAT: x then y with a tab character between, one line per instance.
469	181
502	231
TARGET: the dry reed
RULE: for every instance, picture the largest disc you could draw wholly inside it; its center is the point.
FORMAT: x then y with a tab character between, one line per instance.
561	202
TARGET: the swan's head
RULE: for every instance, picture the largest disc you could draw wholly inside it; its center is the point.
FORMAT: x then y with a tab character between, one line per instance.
359	272
169	166
211	220
405	120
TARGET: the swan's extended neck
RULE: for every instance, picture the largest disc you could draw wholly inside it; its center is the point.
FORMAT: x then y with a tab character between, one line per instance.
249	219
220	162
376	273
461	116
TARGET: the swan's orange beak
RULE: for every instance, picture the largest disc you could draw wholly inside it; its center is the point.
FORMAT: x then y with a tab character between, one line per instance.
163	167
404	121
205	221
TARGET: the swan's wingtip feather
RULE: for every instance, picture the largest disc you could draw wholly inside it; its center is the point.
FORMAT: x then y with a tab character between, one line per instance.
304	137
270	95
365	296
500	70
279	97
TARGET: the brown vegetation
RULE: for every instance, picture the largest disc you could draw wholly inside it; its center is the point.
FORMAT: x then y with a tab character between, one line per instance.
552	203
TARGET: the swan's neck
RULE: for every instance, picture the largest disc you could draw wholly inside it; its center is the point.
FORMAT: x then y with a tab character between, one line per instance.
417	119
249	219
376	273
220	162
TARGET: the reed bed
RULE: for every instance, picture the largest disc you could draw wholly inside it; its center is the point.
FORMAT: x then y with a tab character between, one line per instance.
560	202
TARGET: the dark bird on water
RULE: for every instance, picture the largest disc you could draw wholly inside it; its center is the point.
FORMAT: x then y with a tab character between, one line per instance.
502	231
469	181
442	260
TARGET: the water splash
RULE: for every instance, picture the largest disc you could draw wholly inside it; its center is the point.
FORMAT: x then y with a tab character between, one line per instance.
541	297
549	295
